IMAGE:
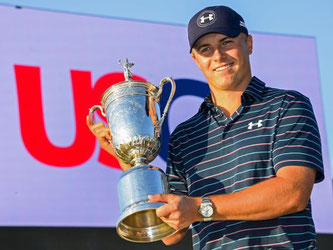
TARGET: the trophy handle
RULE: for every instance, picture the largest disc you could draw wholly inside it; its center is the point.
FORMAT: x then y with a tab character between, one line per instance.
93	109
172	93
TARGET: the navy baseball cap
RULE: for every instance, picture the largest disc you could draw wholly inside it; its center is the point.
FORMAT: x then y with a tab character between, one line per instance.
215	19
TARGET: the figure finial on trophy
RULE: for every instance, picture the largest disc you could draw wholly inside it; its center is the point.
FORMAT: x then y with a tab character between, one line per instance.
127	72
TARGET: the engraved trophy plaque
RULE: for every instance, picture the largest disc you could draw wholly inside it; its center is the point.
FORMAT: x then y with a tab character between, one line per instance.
133	114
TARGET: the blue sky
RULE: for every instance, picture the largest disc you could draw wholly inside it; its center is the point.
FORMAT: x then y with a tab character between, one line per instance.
297	17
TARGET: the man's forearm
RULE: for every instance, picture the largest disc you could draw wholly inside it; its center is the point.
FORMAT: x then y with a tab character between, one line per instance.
287	193
284	194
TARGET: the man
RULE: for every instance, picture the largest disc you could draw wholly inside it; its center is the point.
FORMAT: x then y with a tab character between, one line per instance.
242	169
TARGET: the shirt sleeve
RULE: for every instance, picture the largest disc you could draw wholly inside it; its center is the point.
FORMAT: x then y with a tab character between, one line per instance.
175	171
297	140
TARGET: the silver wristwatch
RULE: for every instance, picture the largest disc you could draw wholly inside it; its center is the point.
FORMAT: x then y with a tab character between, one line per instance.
206	209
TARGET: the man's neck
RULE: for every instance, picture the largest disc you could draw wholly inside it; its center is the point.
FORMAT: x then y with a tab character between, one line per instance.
229	100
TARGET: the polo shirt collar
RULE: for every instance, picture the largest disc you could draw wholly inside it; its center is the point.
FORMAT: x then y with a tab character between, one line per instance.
255	90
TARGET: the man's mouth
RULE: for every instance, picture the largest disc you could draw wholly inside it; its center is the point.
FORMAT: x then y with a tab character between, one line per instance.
224	67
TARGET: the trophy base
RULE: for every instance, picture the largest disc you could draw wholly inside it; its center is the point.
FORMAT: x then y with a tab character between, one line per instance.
138	221
143	226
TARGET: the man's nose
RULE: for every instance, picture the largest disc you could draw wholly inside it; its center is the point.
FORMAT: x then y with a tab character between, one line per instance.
219	54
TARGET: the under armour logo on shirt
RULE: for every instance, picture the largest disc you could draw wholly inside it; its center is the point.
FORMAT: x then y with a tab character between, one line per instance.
258	124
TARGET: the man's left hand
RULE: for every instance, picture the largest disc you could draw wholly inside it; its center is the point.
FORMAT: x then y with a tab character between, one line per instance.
179	211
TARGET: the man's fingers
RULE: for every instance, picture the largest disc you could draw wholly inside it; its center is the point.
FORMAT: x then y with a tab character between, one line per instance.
159	198
98	129
165	210
173	212
89	121
103	133
171	223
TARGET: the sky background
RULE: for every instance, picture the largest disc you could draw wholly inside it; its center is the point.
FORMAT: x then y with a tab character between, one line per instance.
297	17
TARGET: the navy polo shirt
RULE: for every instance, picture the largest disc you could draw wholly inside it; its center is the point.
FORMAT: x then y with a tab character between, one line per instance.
212	154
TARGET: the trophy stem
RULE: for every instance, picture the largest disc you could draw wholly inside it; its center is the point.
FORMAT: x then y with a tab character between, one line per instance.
139	161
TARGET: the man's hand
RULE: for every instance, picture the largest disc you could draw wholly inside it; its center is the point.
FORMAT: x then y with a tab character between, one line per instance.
179	212
105	139
176	237
103	135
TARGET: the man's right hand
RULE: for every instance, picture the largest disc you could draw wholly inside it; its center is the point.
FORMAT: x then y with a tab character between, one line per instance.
104	139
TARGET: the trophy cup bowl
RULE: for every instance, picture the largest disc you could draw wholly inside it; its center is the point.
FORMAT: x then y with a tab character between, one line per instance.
133	114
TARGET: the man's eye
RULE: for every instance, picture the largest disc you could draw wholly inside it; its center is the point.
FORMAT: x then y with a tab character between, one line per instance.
226	42
204	50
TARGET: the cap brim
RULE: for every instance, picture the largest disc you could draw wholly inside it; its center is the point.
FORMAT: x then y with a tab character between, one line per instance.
230	33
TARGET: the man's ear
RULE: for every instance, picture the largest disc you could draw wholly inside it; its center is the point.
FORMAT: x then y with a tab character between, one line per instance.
194	57
249	41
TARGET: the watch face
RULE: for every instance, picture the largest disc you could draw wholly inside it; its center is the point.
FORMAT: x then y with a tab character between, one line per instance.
207	211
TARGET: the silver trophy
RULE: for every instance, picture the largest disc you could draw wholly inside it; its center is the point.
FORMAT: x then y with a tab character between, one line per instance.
133	114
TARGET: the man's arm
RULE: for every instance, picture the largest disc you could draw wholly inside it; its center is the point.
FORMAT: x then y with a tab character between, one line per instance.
288	192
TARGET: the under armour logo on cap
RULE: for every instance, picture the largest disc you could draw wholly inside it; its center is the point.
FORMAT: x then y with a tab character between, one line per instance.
218	19
206	18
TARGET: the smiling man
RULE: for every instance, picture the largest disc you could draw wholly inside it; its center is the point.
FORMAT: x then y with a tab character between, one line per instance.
241	170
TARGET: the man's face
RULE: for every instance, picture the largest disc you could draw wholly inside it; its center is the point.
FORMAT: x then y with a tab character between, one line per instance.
224	60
